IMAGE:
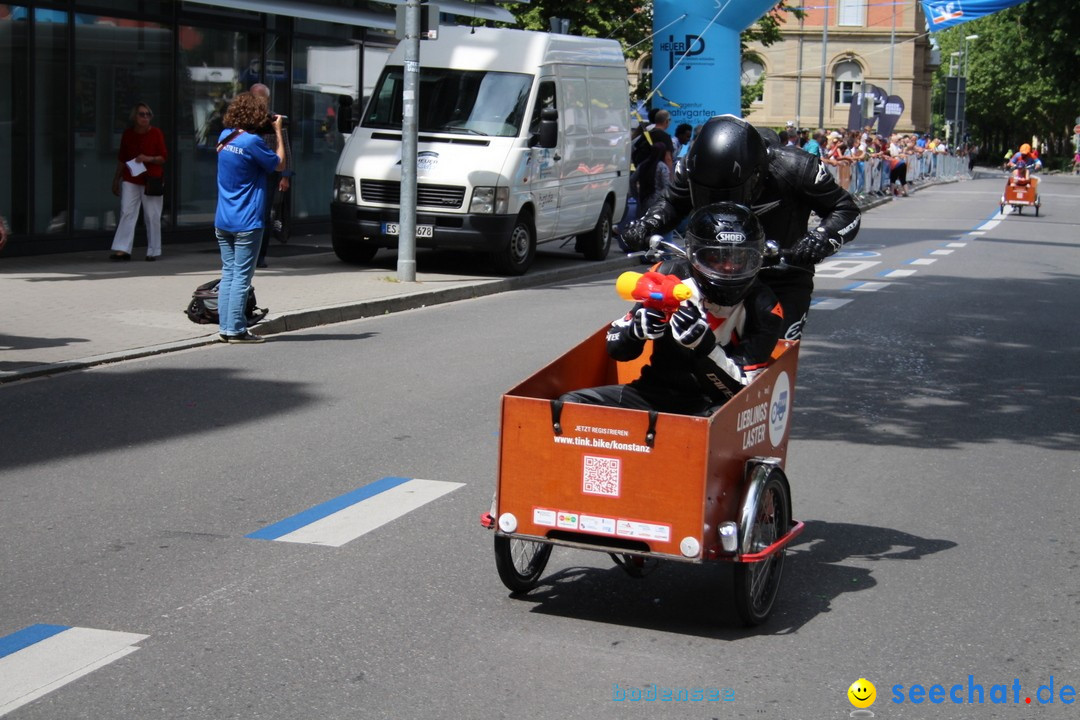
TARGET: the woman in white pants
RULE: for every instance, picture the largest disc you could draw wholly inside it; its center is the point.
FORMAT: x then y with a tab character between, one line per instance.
141	145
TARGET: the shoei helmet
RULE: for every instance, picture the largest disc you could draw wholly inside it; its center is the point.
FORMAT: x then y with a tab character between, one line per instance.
724	242
727	162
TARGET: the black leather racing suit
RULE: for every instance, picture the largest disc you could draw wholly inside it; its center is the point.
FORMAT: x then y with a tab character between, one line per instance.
796	184
681	380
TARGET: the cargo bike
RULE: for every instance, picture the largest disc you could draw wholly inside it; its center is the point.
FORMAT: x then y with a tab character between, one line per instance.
1021	190
644	486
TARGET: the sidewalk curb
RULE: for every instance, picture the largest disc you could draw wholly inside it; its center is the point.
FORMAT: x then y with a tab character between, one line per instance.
344	312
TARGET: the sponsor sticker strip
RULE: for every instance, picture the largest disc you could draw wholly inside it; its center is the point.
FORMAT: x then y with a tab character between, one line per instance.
600	525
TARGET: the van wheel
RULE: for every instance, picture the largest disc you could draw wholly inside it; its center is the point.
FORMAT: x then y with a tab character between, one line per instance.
515	257
596	244
353	252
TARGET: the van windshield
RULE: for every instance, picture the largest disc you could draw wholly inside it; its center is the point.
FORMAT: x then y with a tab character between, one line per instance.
466	102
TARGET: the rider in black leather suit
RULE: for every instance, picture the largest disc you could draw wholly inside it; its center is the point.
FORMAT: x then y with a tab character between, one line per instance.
729	160
717	341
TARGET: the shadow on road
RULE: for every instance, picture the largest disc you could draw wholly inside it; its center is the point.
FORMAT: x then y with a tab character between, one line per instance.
696	599
998	366
88	413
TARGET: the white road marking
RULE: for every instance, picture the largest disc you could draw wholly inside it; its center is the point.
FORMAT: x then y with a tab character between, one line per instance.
44	666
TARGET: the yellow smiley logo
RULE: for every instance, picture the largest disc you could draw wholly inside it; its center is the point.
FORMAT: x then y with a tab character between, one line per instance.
862	693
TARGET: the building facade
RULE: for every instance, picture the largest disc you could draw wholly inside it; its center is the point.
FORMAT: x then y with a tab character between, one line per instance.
836	49
71	71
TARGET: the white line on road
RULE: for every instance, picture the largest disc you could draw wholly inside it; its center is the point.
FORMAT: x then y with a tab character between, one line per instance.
54	661
829	303
344	519
867	286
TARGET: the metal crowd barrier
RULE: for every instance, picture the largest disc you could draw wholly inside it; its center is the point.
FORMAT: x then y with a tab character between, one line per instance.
871	177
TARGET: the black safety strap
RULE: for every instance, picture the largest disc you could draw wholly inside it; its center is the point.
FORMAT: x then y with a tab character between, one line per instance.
650	436
556	415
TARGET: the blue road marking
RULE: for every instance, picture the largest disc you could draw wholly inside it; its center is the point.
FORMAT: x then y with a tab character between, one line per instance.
288	525
26	637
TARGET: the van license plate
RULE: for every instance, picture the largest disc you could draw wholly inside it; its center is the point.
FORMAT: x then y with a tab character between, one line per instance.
424	231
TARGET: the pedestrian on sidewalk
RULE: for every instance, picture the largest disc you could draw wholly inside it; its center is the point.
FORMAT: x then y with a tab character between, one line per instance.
277	183
139	181
3	232
244	161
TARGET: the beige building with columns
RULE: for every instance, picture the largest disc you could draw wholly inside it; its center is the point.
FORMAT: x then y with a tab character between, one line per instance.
877	42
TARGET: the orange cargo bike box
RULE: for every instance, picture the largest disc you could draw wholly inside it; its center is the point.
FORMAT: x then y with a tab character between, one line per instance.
641	485
1021	190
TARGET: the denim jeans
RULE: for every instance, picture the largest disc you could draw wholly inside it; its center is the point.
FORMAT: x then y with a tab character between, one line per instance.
238	251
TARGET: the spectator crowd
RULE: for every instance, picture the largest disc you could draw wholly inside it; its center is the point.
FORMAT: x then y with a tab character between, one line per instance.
869	164
864	163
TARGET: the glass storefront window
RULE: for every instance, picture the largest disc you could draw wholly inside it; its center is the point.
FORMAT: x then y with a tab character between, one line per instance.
150	7
50	122
325	72
212	68
14	144
71	70
328	93
121	62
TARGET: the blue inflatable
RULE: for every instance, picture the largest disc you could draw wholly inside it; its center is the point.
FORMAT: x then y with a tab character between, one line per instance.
696	61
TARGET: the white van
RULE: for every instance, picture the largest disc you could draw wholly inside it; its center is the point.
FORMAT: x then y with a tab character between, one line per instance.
523	138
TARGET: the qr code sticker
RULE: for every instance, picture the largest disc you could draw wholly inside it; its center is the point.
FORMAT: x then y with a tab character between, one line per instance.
600	476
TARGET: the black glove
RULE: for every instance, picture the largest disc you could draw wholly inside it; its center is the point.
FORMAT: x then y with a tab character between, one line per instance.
636	236
648	324
812	249
691	330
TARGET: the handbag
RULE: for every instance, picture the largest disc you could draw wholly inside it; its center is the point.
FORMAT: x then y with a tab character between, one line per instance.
155	186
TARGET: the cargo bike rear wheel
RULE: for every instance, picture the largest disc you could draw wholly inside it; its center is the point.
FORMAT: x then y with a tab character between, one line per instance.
520	562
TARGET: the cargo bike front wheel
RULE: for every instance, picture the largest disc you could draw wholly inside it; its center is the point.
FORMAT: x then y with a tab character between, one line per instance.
766	518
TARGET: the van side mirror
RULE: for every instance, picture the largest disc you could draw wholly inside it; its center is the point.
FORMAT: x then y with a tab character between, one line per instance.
548	136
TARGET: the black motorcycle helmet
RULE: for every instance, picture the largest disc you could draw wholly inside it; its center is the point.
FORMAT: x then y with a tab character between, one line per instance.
727	162
725	245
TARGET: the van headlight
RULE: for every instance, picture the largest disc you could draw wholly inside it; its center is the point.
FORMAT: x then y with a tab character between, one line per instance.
490	200
345	189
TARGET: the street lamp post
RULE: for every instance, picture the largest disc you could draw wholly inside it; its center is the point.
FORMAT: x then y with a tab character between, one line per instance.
824	62
962	100
952	98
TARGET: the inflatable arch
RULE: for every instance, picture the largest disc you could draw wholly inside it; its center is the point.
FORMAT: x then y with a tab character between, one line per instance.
696	61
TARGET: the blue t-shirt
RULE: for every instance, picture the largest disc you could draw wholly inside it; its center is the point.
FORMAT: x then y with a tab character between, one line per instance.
242	168
812	147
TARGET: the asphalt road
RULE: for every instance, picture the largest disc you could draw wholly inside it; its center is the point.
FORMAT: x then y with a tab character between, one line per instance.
934	459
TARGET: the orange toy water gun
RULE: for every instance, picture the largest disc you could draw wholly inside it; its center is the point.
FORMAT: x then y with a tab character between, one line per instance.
653	290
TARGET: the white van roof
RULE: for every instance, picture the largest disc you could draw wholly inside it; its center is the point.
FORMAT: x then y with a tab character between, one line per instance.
508	50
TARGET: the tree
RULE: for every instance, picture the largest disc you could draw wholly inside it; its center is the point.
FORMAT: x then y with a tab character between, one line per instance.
1022	78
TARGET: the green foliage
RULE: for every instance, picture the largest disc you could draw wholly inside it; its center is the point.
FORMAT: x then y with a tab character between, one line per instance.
751	92
767	30
616	19
1022	72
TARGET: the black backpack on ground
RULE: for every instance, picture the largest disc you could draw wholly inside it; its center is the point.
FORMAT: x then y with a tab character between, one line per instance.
203	308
